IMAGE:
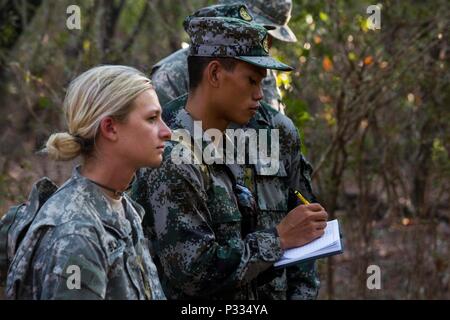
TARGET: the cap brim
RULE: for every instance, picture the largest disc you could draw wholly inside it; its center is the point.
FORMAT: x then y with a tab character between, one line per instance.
266	62
281	32
269	27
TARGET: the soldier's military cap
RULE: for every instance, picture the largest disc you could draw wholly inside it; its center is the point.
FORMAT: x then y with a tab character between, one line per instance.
233	10
231	37
276	13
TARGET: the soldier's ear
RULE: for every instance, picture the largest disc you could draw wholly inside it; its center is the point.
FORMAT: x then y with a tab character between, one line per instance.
213	71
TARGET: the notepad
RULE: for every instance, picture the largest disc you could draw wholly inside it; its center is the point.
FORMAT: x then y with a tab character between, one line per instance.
327	245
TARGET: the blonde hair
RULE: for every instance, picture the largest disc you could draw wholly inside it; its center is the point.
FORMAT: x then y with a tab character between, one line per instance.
97	93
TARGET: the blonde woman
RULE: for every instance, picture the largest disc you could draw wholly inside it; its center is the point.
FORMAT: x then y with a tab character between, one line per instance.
86	241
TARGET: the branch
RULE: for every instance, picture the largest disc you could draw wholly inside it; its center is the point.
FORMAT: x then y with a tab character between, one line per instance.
129	42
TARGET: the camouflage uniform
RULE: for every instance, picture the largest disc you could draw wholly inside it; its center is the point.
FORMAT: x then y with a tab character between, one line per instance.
170	78
77	227
193	219
193	216
271	193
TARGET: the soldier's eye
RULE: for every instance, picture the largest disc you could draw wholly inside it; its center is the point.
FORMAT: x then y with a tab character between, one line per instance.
252	81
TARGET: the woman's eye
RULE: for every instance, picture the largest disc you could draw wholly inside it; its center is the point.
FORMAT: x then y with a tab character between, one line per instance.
152	119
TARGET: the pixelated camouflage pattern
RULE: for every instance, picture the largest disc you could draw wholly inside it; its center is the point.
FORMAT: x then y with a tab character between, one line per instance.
170	76
272	193
17	220
225	37
300	281
276	13
230	37
193	220
272	94
77	226
235	10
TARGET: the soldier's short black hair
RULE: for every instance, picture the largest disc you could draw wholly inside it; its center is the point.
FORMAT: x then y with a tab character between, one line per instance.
196	66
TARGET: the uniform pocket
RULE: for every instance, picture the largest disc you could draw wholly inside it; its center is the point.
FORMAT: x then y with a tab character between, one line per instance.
134	274
271	188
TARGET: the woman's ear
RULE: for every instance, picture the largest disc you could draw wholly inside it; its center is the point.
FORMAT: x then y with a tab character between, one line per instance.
213	73
108	129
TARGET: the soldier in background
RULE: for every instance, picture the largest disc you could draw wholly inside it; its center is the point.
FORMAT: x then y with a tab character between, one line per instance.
171	74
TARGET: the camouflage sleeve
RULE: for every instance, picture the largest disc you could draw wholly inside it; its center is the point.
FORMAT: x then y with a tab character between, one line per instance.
73	267
194	259
303	279
298	168
272	94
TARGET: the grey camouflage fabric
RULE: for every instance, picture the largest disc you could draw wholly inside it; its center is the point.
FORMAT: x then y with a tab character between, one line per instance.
194	223
236	10
230	37
170	76
78	227
276	13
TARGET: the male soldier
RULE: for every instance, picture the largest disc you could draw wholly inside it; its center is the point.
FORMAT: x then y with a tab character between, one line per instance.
192	213
170	77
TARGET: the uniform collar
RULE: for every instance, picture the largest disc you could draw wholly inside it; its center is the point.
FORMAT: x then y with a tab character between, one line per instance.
102	206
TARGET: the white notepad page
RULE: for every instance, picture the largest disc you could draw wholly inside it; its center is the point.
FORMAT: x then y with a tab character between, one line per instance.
328	242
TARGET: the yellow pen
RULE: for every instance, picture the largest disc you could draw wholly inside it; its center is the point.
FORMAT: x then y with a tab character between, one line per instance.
302	198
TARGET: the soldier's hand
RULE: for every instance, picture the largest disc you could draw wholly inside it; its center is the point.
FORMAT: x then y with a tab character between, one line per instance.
302	225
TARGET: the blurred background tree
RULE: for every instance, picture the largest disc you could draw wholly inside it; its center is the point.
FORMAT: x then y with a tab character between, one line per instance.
372	107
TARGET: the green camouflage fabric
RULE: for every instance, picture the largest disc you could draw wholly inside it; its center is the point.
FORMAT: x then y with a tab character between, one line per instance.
170	79
276	13
193	220
230	37
300	282
78	227
272	194
271	92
